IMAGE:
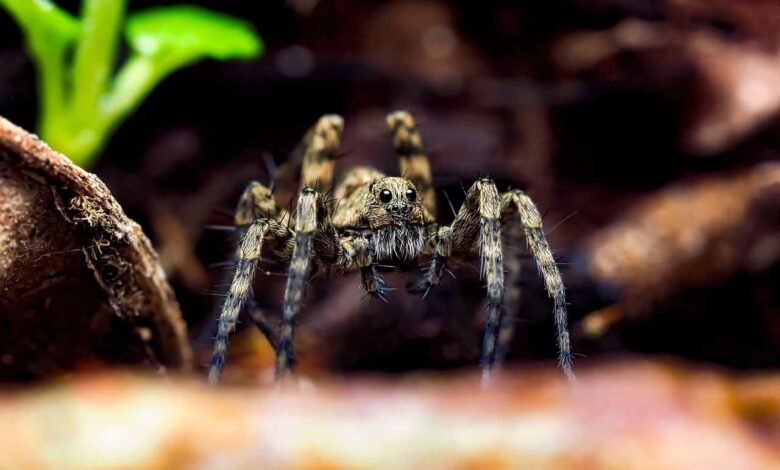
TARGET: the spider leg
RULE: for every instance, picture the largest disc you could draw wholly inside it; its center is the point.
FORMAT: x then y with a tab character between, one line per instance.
412	159
477	227
256	202
518	204
513	264
370	278
249	252
438	246
308	213
356	254
261	321
492	263
320	146
314	154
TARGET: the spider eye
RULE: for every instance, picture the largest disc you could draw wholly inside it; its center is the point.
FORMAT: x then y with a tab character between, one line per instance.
411	195
385	196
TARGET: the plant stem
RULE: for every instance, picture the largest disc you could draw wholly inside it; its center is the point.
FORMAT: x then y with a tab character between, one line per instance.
51	85
94	57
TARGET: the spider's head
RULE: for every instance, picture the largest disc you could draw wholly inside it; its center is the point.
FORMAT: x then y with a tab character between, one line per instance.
395	213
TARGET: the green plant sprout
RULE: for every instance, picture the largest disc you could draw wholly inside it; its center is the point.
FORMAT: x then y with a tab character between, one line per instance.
82	100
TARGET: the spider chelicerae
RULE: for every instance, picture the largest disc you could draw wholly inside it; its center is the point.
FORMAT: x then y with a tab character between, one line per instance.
370	219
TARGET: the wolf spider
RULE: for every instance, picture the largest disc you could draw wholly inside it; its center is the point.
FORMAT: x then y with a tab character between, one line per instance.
372	218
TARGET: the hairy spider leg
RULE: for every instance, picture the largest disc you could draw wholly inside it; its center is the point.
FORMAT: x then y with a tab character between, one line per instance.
316	237
492	267
413	162
314	156
513	265
518	205
306	220
477	225
370	279
249	252
260	320
320	148
317	151
257	201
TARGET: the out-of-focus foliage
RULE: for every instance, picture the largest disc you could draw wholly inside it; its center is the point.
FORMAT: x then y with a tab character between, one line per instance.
82	102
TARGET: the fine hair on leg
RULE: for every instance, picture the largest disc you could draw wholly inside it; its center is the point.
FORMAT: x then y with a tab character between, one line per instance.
517	203
315	155
492	269
300	264
513	264
320	147
477	225
257	201
413	162
249	252
370	279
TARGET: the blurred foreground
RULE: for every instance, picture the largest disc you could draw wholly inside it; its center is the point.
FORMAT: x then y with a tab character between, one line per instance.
621	415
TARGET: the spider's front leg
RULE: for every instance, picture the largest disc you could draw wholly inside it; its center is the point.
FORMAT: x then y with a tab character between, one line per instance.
311	225
518	208
478	225
256	202
249	251
370	279
476	229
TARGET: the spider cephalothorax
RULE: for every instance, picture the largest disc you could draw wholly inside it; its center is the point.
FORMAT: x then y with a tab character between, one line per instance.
373	218
390	212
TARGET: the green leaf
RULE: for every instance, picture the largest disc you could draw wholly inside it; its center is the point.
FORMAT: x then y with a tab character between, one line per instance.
164	39
43	18
82	102
192	32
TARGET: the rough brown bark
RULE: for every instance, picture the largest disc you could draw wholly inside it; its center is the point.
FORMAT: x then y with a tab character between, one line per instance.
79	282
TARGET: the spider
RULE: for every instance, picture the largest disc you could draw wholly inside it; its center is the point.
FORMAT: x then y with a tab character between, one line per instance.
372	218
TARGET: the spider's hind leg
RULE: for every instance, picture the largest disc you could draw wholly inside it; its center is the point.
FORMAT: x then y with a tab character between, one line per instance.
261	321
314	155
412	159
320	148
514	254
257	201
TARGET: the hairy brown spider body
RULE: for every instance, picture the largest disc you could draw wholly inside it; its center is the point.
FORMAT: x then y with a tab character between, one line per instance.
373	218
387	211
